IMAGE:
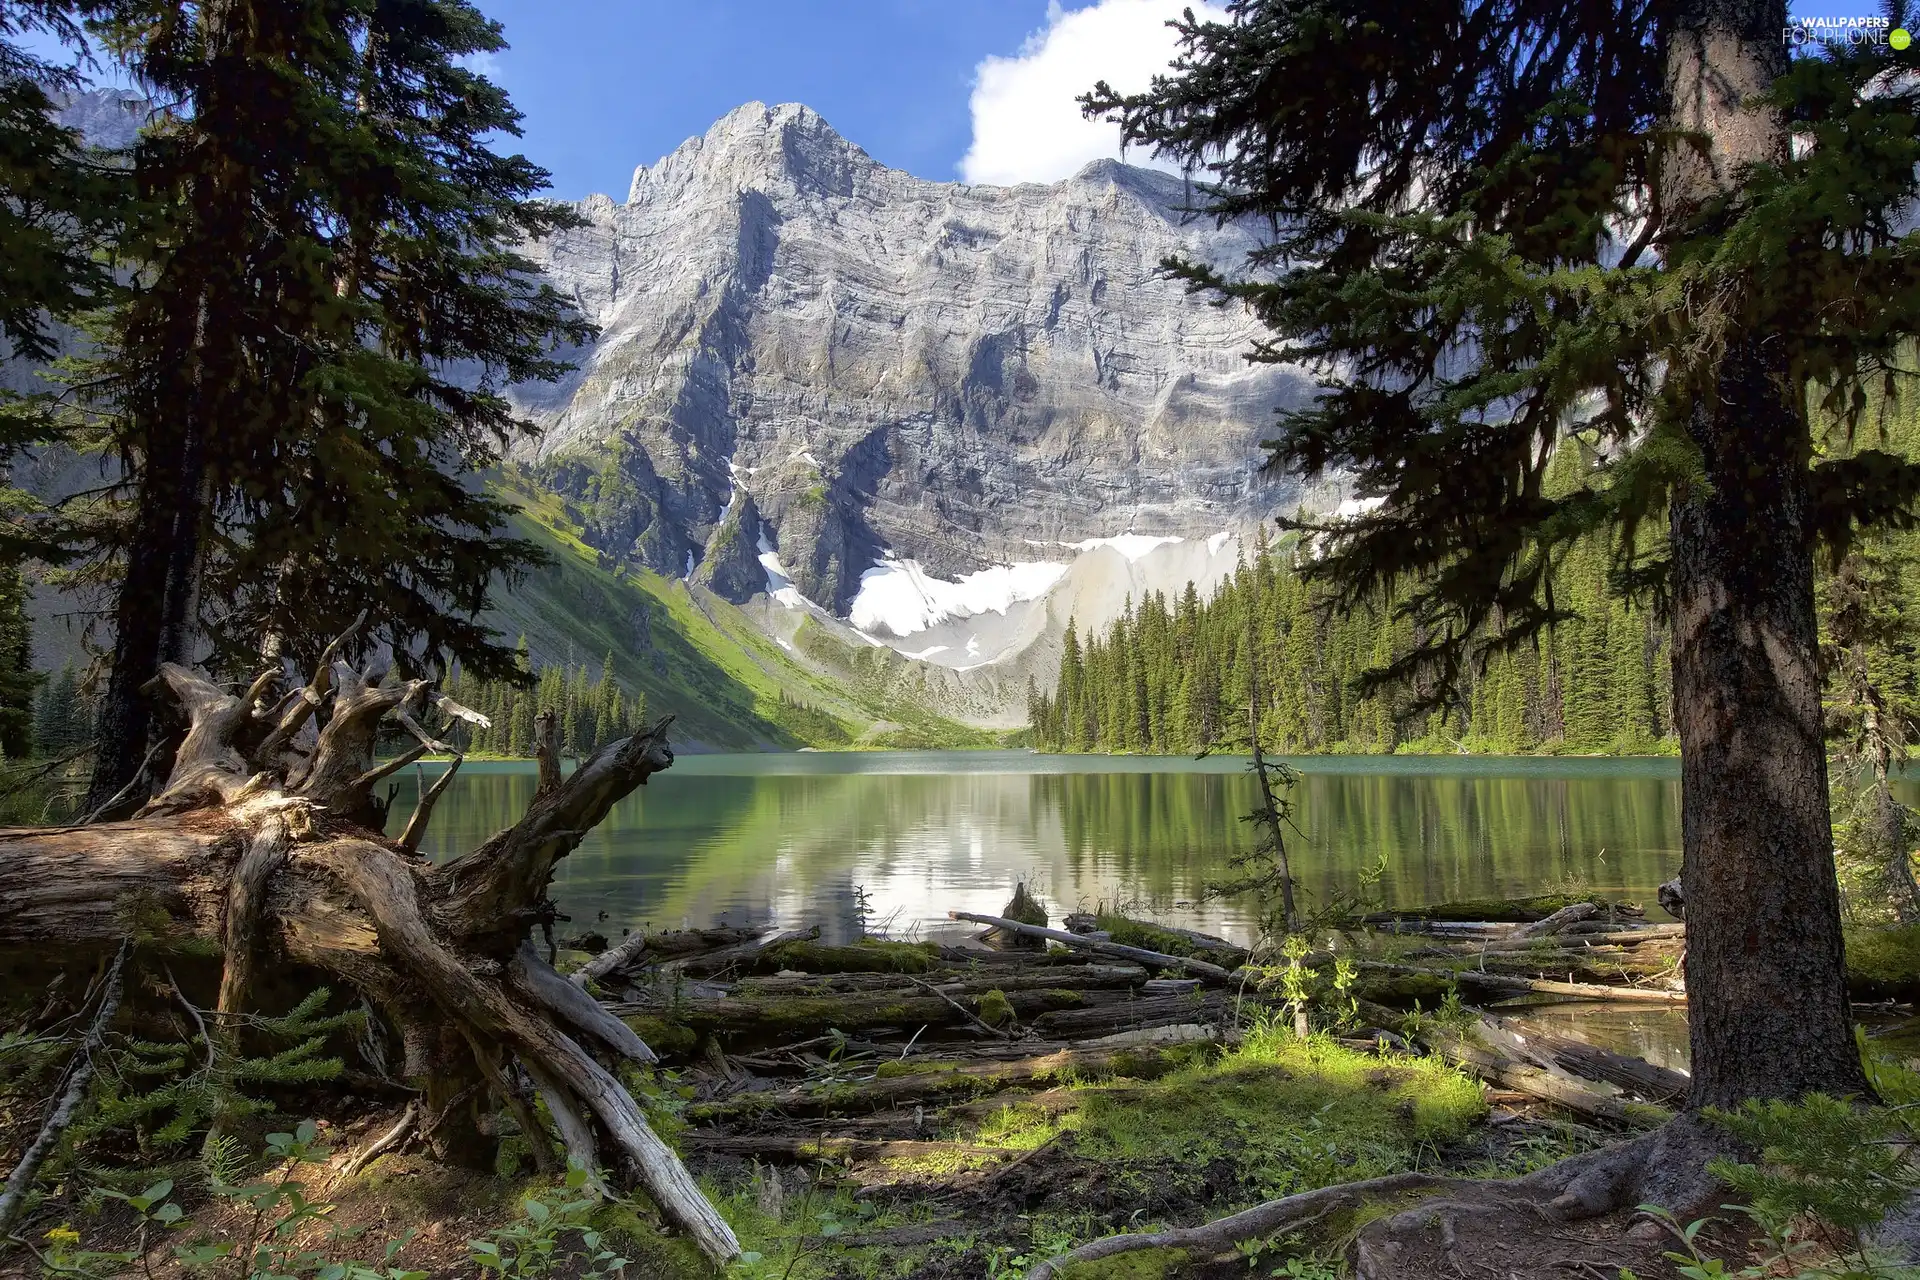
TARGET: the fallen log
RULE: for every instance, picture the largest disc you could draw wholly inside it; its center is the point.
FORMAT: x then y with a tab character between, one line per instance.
759	1022
642	948
1496	910
945	1079
822	1147
1517	985
949	981
1168	938
1211	972
1652	936
1662	1086
1536	1082
266	848
1571	914
1131	1015
733	959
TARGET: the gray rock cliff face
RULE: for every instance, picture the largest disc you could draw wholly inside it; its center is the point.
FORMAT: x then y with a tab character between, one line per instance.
806	352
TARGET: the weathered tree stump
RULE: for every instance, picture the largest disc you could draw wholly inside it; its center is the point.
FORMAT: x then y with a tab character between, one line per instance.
267	842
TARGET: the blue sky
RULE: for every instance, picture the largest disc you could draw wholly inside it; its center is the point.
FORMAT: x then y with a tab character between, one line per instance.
975	89
609	84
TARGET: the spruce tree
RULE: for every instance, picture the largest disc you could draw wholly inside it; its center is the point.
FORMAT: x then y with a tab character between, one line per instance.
1511	230
58	204
326	303
18	679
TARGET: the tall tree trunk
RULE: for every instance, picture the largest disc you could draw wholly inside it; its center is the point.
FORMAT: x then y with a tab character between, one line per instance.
154	616
1768	1010
150	618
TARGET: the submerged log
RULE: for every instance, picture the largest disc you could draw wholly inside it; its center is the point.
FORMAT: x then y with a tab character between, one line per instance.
1530	1042
1522	1077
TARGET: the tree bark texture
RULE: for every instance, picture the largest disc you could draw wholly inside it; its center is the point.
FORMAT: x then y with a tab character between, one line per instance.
1769	1013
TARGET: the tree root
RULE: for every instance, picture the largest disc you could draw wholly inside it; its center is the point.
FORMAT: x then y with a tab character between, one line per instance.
1665	1167
381	1145
266	839
1219	1237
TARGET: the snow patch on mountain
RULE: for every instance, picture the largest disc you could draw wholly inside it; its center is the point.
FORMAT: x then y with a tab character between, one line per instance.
1133	546
901	597
779	585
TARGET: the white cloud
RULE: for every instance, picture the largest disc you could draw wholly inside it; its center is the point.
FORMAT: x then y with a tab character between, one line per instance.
486	62
1027	126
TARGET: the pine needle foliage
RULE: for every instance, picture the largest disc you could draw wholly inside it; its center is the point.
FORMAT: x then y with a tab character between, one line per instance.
1468	252
326	303
158	1098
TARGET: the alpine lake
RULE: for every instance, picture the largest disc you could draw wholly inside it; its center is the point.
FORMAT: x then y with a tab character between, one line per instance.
892	841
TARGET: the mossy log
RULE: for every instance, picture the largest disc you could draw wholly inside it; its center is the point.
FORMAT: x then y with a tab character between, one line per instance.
741	1022
953	982
1165	938
1132	1015
804	1147
1199	968
929	1081
871	956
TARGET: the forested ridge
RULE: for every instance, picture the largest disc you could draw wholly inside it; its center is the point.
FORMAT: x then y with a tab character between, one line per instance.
1173	677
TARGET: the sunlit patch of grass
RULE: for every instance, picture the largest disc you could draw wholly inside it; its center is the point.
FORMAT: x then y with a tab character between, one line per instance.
1021	1126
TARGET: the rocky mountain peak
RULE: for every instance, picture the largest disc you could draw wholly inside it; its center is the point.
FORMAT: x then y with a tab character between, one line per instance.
754	145
818	377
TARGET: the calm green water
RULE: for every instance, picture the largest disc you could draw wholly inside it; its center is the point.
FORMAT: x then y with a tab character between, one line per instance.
792	839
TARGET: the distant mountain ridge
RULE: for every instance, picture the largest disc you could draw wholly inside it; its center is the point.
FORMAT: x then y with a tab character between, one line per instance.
899	430
835	385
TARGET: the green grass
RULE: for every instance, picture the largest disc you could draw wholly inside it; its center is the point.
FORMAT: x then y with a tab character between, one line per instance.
1884	964
1282	1115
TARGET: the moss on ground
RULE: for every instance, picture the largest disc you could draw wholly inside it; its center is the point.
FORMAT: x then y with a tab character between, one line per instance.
1279	1116
1147	1264
1884	964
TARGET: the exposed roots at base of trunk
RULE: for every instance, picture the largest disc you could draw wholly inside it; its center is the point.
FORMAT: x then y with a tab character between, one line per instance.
266	842
1666	1167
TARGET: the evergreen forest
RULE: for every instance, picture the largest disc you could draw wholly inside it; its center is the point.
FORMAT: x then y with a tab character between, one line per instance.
1178	676
1174	677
